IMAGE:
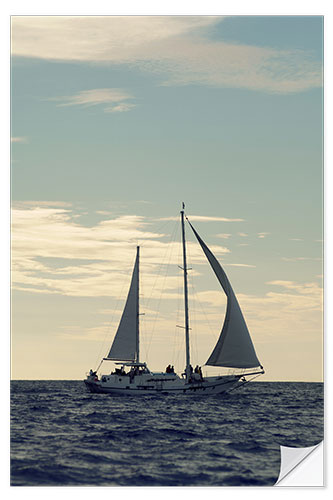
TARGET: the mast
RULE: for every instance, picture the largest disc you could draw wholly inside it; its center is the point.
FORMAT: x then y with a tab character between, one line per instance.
187	328
137	307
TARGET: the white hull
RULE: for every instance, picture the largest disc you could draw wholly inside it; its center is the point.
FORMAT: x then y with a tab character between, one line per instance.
161	383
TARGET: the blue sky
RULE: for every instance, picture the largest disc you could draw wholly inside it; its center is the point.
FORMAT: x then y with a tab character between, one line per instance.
114	122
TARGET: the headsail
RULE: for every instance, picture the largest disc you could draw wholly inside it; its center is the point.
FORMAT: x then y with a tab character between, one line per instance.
126	342
234	347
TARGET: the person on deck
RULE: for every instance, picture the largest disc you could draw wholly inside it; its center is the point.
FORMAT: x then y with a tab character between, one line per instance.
131	374
189	372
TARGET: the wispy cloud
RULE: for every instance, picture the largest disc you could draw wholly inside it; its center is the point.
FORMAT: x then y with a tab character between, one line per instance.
20	140
52	252
293	312
178	48
23	205
238	265
263	235
297	259
100	39
114	100
224	236
291	285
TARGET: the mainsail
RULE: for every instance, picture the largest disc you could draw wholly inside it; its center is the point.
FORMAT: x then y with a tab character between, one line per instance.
234	347
125	345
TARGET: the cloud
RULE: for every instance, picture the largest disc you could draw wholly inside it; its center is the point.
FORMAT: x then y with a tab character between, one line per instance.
23	205
238	265
99	39
120	108
298	259
221	64
20	140
286	317
176	48
285	325
306	288
115	99
262	235
52	252
294	311
224	236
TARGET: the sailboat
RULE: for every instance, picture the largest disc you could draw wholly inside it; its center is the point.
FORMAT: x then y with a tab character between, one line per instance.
234	348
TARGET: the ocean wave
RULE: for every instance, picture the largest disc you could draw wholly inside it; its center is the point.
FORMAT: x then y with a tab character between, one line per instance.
62	435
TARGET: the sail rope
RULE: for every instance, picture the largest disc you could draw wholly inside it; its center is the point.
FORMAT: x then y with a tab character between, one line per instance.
212	331
192	309
125	284
197	308
160	276
243	383
143	301
107	334
178	341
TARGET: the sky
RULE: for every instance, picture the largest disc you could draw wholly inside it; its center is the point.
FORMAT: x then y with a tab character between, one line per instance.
117	120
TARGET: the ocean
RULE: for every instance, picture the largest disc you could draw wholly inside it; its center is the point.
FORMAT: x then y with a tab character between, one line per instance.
61	435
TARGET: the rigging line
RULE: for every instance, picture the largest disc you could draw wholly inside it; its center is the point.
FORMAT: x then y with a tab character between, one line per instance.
244	383
195	329
177	342
157	230
143	300
212	331
204	313
181	338
149	300
193	308
194	336
168	250
110	323
160	266
196	293
164	224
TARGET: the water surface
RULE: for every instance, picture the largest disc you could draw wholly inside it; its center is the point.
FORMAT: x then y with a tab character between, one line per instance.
62	435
